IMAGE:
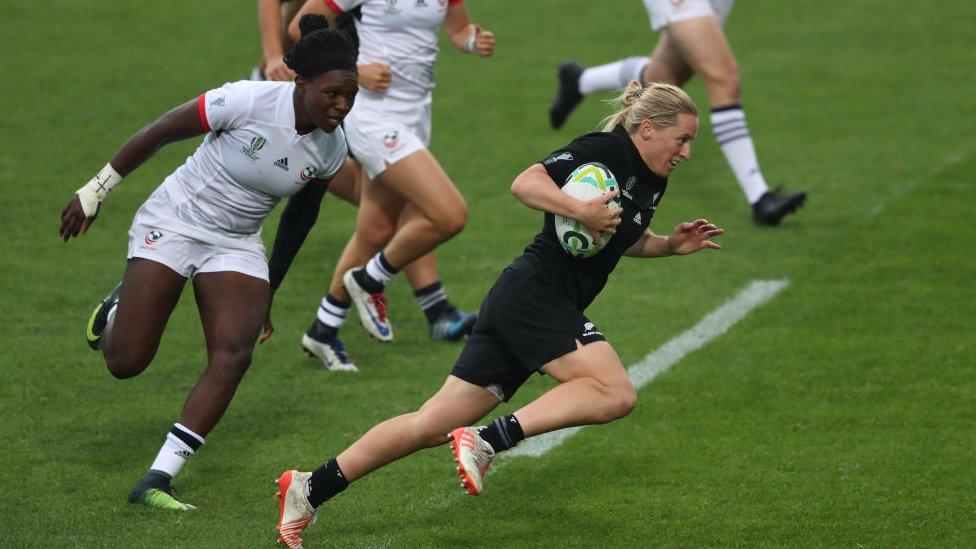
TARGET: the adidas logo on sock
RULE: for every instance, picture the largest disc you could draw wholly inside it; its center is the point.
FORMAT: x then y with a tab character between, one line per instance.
282	163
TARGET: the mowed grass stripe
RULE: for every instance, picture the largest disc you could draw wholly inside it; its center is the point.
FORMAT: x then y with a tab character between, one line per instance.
658	361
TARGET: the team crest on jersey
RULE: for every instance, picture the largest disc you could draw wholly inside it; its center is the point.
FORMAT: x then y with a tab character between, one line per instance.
308	172
391	139
218	101
630	182
258	142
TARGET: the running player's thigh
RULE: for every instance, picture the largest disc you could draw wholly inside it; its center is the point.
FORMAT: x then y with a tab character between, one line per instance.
702	44
456	404
421	181
149	293
596	360
289	9
379	208
345	183
232	307
666	64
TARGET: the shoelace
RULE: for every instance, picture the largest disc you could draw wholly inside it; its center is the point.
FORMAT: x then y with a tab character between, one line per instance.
379	301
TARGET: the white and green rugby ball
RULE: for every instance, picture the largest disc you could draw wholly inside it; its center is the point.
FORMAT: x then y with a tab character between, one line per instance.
587	182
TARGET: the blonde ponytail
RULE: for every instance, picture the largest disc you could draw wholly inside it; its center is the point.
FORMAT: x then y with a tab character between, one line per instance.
657	102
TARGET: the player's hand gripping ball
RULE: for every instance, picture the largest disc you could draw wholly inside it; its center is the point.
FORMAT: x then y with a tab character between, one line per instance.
587	182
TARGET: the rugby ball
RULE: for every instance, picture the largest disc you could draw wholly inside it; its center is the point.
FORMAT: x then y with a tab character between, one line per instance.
588	181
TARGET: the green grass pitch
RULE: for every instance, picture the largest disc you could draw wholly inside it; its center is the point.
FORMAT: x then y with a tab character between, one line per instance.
838	414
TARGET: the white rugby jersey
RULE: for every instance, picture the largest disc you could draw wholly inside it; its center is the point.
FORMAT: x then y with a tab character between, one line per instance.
251	158
403	35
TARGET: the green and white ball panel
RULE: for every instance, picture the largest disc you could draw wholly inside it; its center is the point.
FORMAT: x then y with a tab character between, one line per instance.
587	182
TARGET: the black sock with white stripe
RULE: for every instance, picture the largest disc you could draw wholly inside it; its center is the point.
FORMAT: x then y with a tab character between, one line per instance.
503	433
326	482
377	274
432	300
732	136
328	319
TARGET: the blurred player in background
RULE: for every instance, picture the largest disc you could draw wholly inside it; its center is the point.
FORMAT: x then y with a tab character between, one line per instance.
408	205
445	321
532	319
692	42
265	141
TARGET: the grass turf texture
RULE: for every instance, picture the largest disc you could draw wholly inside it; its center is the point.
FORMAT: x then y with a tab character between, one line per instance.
838	414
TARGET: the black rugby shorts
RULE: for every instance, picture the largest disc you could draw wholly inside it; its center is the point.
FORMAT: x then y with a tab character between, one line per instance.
524	323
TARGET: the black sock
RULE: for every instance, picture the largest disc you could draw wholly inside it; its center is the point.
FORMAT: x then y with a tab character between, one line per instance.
320	332
326	481
367	282
433	301
503	433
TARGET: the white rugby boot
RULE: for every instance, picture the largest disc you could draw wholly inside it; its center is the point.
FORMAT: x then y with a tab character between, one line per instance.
371	308
295	513
332	353
473	455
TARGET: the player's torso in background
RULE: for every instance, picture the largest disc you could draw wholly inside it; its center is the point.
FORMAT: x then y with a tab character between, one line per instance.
403	35
237	175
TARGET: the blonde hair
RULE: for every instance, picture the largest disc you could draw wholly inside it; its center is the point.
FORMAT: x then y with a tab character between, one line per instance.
659	103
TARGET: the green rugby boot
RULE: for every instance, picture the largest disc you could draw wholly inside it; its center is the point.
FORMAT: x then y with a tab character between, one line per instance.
153	490
99	318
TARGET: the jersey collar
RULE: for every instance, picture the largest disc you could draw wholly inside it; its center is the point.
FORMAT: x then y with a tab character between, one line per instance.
649	184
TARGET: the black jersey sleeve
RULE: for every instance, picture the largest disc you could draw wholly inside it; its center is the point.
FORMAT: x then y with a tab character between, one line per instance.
593	147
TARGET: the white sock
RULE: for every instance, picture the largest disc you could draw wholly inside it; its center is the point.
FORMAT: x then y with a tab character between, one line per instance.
331	312
732	136
612	76
380	270
179	446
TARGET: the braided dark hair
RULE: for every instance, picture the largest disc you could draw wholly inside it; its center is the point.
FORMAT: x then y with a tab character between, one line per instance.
320	49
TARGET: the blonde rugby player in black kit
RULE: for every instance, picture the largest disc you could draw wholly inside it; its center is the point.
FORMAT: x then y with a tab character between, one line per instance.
532	319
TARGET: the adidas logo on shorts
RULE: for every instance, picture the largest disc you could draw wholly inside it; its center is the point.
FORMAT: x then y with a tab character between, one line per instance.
282	163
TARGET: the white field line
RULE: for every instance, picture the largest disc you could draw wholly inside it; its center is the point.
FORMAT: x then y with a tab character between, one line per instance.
657	362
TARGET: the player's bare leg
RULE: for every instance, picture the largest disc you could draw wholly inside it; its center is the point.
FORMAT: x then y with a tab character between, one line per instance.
456	403
148	294
703	46
593	388
232	309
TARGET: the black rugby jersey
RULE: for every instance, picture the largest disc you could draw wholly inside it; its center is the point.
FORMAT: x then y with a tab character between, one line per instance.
640	192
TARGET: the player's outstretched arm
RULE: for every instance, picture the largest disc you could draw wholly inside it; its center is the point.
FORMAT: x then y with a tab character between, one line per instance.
686	238
183	122
465	35
537	190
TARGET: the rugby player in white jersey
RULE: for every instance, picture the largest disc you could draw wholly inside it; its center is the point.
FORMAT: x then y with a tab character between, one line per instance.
692	42
408	204
445	321
265	141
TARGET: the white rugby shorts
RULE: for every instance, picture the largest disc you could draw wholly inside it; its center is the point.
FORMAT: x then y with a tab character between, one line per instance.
664	12
158	236
378	140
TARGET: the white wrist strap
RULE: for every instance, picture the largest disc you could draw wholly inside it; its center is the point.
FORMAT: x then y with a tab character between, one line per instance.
95	191
469	44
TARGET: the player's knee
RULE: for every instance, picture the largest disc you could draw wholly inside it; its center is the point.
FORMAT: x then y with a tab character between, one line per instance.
451	223
231	361
626	400
123	365
727	83
618	401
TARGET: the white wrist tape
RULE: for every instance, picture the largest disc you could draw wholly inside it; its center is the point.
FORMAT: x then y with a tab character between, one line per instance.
469	44
95	191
